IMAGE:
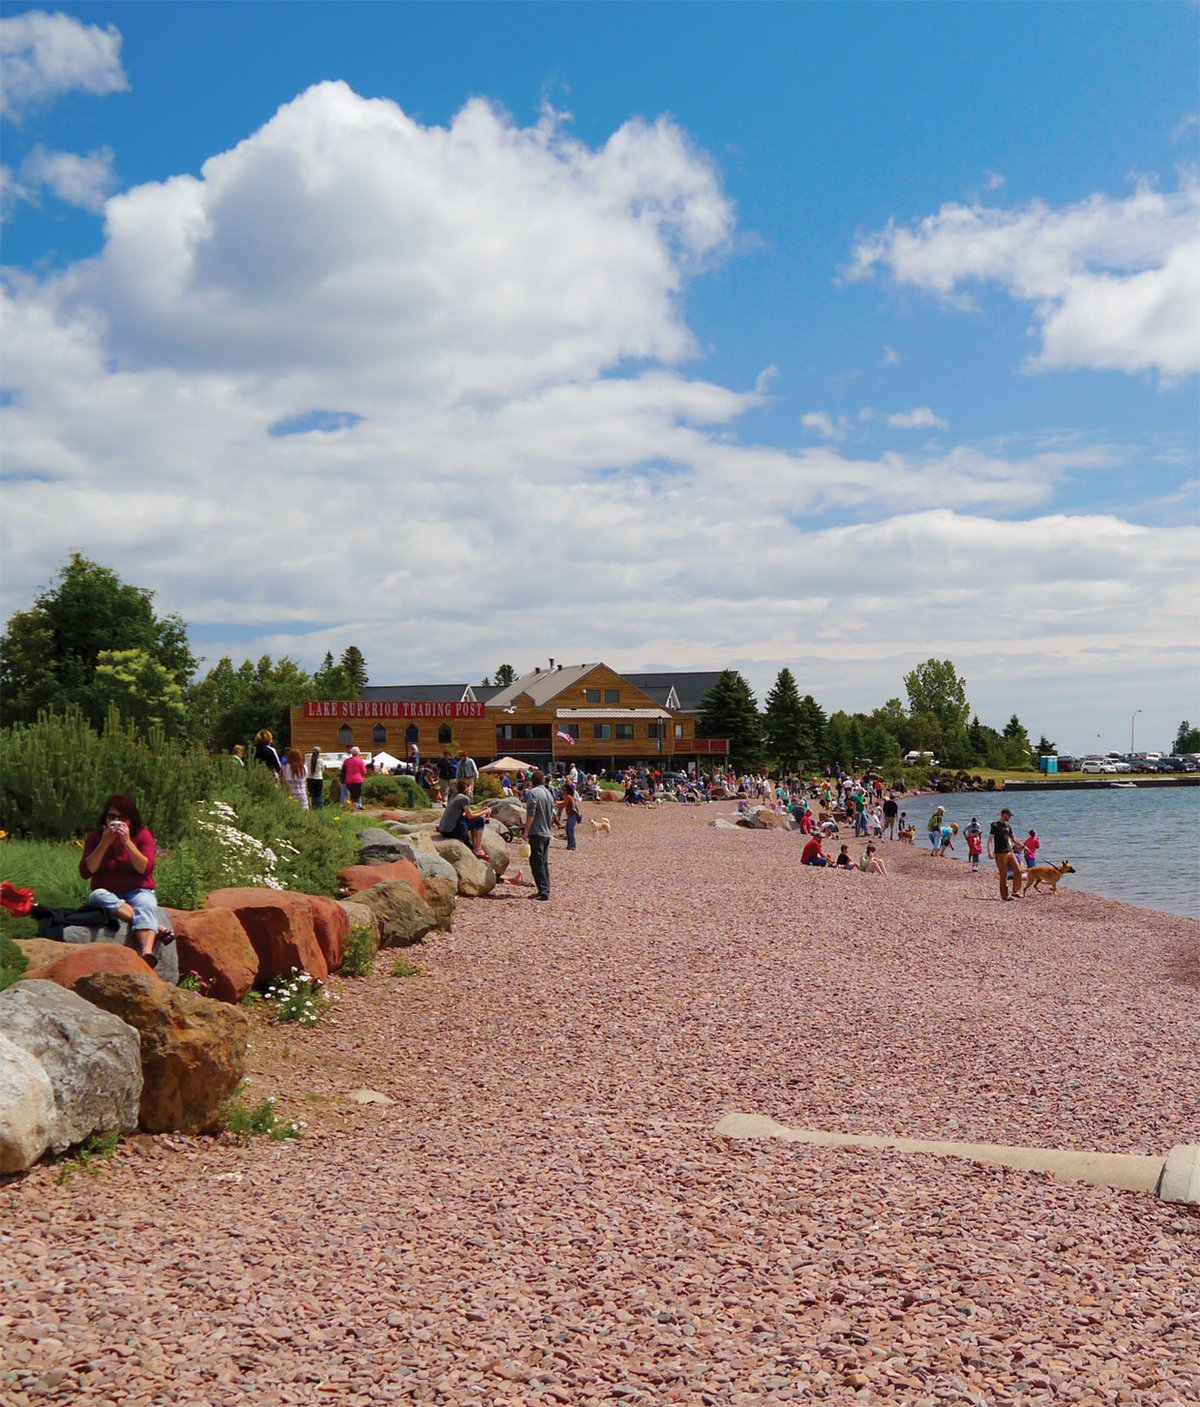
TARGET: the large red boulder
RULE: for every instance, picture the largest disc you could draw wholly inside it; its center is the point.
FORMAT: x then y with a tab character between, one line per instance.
280	928
213	944
331	924
86	959
356	878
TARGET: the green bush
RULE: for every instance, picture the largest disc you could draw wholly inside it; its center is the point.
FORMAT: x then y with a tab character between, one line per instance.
50	870
56	772
381	789
487	788
361	947
300	998
254	1120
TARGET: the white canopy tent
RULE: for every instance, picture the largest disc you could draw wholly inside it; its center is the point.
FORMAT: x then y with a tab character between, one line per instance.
508	764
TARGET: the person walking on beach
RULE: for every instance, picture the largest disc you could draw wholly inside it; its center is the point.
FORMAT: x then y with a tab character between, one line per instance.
1000	848
539	826
890	812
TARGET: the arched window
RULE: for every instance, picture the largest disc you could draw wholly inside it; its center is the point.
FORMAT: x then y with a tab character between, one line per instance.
412	734
345	736
445	734
378	735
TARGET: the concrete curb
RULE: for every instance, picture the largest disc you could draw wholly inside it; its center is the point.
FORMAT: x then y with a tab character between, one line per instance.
1175	1178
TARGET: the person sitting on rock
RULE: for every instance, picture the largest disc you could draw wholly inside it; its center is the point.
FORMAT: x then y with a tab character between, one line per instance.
118	862
460	821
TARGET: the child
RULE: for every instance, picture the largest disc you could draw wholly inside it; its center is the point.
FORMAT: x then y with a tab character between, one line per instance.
974	835
948	834
1032	845
843	861
871	863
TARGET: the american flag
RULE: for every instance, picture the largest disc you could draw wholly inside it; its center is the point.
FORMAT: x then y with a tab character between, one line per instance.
565	736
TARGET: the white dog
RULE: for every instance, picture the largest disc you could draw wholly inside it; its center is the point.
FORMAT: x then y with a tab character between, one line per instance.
600	825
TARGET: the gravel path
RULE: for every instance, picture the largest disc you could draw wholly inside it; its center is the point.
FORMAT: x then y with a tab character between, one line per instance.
544	1216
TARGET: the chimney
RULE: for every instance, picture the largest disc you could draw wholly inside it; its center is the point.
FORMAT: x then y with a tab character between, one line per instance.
551	661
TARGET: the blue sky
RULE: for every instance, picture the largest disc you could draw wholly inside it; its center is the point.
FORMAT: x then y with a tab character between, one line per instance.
835	336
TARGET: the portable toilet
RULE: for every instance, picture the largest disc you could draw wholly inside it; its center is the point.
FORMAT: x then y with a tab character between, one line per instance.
1048	763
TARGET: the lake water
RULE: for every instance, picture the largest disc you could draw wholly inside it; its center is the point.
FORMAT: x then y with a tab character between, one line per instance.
1140	846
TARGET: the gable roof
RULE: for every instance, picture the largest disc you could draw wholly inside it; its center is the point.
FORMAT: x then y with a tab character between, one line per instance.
541	685
689	686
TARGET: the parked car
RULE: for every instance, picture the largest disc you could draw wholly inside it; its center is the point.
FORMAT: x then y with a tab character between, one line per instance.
1066	763
1174	764
1097	764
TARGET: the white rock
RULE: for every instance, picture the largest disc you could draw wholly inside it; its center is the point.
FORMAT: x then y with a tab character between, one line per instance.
28	1119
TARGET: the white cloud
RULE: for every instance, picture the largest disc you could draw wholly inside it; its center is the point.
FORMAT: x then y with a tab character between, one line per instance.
43	56
891	357
484	326
85	181
831	427
1114	284
919	418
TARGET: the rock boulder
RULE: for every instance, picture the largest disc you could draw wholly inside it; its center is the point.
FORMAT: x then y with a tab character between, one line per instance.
168	957
404	918
441	894
90	1057
280	928
376	846
213	944
193	1050
358	877
27	1115
82	961
475	876
332	928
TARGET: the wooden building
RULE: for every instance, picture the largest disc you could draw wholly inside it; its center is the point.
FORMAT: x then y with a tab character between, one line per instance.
586	713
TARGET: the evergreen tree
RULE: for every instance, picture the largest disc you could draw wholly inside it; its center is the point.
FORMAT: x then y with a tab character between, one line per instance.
355	667
813	724
729	710
1187	739
1045	747
505	676
231	705
49	653
783	722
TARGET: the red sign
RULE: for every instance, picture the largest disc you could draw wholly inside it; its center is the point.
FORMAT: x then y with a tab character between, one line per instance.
393	708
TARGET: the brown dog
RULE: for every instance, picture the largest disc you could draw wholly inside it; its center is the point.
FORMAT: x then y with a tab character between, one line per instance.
908	834
1050	873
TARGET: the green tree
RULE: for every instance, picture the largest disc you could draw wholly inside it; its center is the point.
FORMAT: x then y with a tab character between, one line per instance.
332	681
505	676
1187	739
729	710
1045	746
356	668
935	688
783	722
231	705
813	723
141	689
48	654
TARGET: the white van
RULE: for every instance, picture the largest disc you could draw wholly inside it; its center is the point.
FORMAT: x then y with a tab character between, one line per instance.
920	759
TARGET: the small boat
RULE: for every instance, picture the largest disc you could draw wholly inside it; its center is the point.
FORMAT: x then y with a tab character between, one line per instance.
1124	786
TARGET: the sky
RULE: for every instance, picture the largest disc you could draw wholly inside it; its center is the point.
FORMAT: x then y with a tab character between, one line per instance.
676	336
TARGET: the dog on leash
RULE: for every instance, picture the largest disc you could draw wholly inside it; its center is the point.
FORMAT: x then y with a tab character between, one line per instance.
600	825
908	834
1035	874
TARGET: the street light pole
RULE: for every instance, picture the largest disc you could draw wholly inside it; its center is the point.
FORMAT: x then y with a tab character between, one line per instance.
1132	722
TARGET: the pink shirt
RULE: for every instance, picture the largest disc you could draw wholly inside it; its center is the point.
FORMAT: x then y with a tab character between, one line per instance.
354	769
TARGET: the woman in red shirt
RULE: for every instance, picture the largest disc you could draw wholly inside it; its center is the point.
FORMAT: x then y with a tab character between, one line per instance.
118	861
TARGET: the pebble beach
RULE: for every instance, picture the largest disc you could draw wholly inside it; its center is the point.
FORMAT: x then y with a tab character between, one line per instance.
543	1213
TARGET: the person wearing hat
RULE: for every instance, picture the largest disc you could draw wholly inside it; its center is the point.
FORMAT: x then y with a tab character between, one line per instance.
934	828
1001	848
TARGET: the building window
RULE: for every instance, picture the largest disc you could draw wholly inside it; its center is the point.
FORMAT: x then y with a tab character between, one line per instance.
625	730
602	731
378	735
345	736
612	696
571	730
679	732
655	730
412	734
591	696
522	732
445	733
